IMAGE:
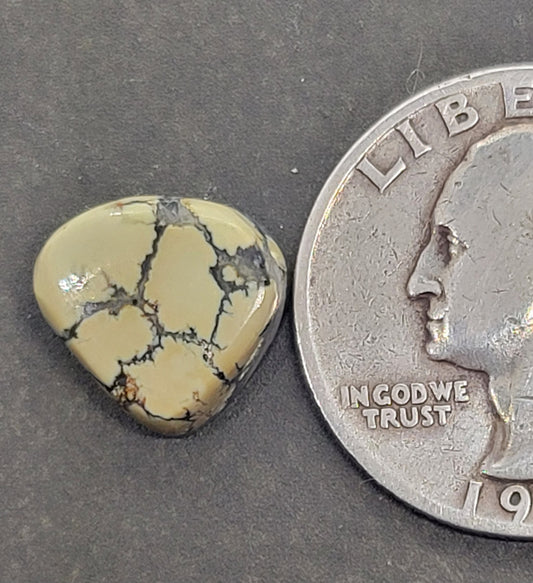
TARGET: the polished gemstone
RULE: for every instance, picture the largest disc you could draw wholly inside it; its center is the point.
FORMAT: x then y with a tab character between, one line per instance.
168	302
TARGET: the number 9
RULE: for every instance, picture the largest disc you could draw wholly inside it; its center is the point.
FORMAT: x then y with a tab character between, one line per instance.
522	507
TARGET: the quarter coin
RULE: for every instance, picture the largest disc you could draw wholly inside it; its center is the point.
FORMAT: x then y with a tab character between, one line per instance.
414	301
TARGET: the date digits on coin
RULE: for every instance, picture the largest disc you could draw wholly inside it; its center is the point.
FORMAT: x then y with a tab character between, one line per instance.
514	498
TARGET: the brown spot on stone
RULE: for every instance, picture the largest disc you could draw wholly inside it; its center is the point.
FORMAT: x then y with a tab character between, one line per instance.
129	392
196	397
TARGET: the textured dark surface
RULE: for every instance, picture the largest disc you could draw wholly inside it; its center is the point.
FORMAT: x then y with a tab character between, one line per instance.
103	100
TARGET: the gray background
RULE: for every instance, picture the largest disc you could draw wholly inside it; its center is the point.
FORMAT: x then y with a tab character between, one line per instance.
109	99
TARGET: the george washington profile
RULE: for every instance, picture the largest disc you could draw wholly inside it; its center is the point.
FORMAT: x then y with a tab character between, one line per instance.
477	271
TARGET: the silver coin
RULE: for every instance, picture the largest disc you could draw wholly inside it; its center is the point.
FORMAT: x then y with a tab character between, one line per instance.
414	301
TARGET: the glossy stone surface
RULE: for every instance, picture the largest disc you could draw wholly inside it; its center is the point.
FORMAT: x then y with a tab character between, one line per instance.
168	302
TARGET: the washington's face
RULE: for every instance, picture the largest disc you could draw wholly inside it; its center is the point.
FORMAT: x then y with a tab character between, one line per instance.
472	271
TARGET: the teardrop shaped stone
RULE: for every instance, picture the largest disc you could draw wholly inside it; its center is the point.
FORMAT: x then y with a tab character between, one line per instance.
169	302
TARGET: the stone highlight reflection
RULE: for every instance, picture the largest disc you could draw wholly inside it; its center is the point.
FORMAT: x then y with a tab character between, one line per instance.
169	303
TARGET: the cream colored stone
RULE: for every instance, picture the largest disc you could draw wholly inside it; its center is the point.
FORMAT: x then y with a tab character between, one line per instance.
168	302
86	256
161	424
180	282
240	327
229	273
105	339
177	381
276	253
229	228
